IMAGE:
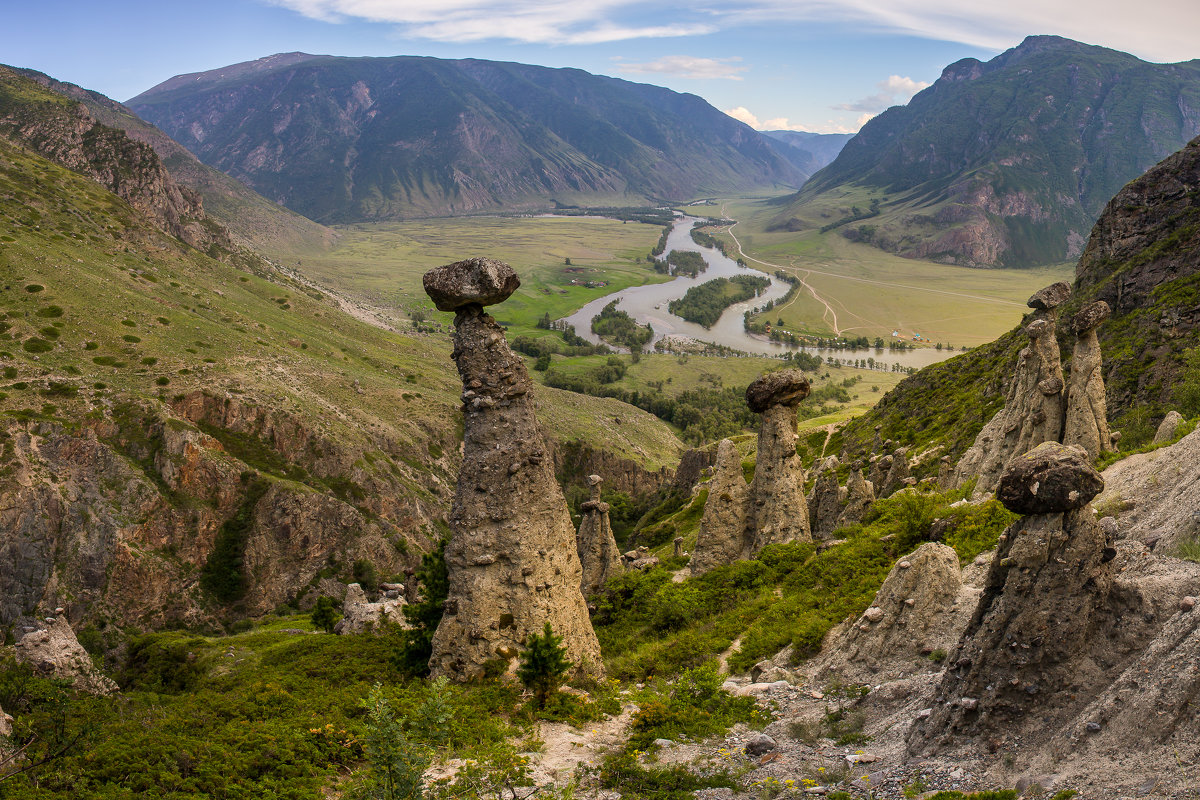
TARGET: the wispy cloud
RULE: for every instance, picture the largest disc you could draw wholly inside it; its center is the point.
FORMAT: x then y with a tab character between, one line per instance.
1161	30
892	91
687	67
529	21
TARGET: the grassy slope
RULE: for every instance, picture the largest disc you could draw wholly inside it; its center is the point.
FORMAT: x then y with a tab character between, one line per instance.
874	293
210	325
382	263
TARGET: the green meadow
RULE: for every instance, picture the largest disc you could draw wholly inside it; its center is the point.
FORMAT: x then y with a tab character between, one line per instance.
860	290
382	264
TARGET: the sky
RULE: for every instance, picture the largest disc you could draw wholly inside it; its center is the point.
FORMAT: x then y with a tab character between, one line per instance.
818	65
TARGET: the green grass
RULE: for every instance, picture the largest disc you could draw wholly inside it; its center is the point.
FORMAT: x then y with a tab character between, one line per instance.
873	293
789	594
233	328
383	263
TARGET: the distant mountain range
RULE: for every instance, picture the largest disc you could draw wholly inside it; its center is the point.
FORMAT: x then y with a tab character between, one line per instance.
1008	162
360	139
811	151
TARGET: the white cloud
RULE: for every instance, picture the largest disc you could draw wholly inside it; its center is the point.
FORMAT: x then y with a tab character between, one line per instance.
541	21
742	114
1159	30
688	67
892	91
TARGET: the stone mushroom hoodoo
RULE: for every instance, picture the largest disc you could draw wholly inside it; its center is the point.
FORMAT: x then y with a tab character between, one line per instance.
1036	402
598	553
512	558
1026	647
780	509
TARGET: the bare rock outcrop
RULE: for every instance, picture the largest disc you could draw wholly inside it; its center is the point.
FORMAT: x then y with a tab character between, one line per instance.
53	651
6	729
859	496
723	528
917	611
898	473
598	554
512	557
1025	653
1035	405
824	509
1155	496
780	510
1166	429
360	615
1087	412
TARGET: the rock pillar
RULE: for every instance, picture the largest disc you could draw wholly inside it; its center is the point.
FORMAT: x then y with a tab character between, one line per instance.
512	558
780	508
598	553
1087	409
1025	649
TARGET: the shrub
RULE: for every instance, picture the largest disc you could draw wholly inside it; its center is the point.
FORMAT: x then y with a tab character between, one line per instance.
395	764
325	614
415	643
543	665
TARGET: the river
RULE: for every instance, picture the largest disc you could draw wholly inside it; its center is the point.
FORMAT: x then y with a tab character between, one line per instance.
648	305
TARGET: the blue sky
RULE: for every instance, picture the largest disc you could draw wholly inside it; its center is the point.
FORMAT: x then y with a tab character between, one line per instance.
815	65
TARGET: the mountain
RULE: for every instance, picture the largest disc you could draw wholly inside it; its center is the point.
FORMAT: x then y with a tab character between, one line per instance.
1008	162
250	218
1143	259
811	151
360	139
190	439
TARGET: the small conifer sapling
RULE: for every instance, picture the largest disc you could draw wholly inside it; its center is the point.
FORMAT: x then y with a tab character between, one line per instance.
543	666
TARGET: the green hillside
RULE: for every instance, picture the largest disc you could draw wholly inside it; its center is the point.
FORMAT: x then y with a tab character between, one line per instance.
1004	163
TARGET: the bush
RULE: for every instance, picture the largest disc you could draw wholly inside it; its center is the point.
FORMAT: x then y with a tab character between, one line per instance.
543	665
415	643
395	764
325	614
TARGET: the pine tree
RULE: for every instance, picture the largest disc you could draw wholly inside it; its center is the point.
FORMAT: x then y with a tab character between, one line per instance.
325	615
544	665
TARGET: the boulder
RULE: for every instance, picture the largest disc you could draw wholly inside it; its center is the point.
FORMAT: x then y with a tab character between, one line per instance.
1051	478
1050	297
359	615
1168	426
512	558
479	281
786	387
916	612
53	652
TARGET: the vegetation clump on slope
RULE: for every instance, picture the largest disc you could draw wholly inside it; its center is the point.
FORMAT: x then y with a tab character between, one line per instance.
705	303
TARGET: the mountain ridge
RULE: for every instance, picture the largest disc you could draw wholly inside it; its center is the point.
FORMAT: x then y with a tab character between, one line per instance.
358	139
1007	162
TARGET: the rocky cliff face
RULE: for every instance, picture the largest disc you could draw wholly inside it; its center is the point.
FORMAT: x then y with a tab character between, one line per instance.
65	132
128	518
